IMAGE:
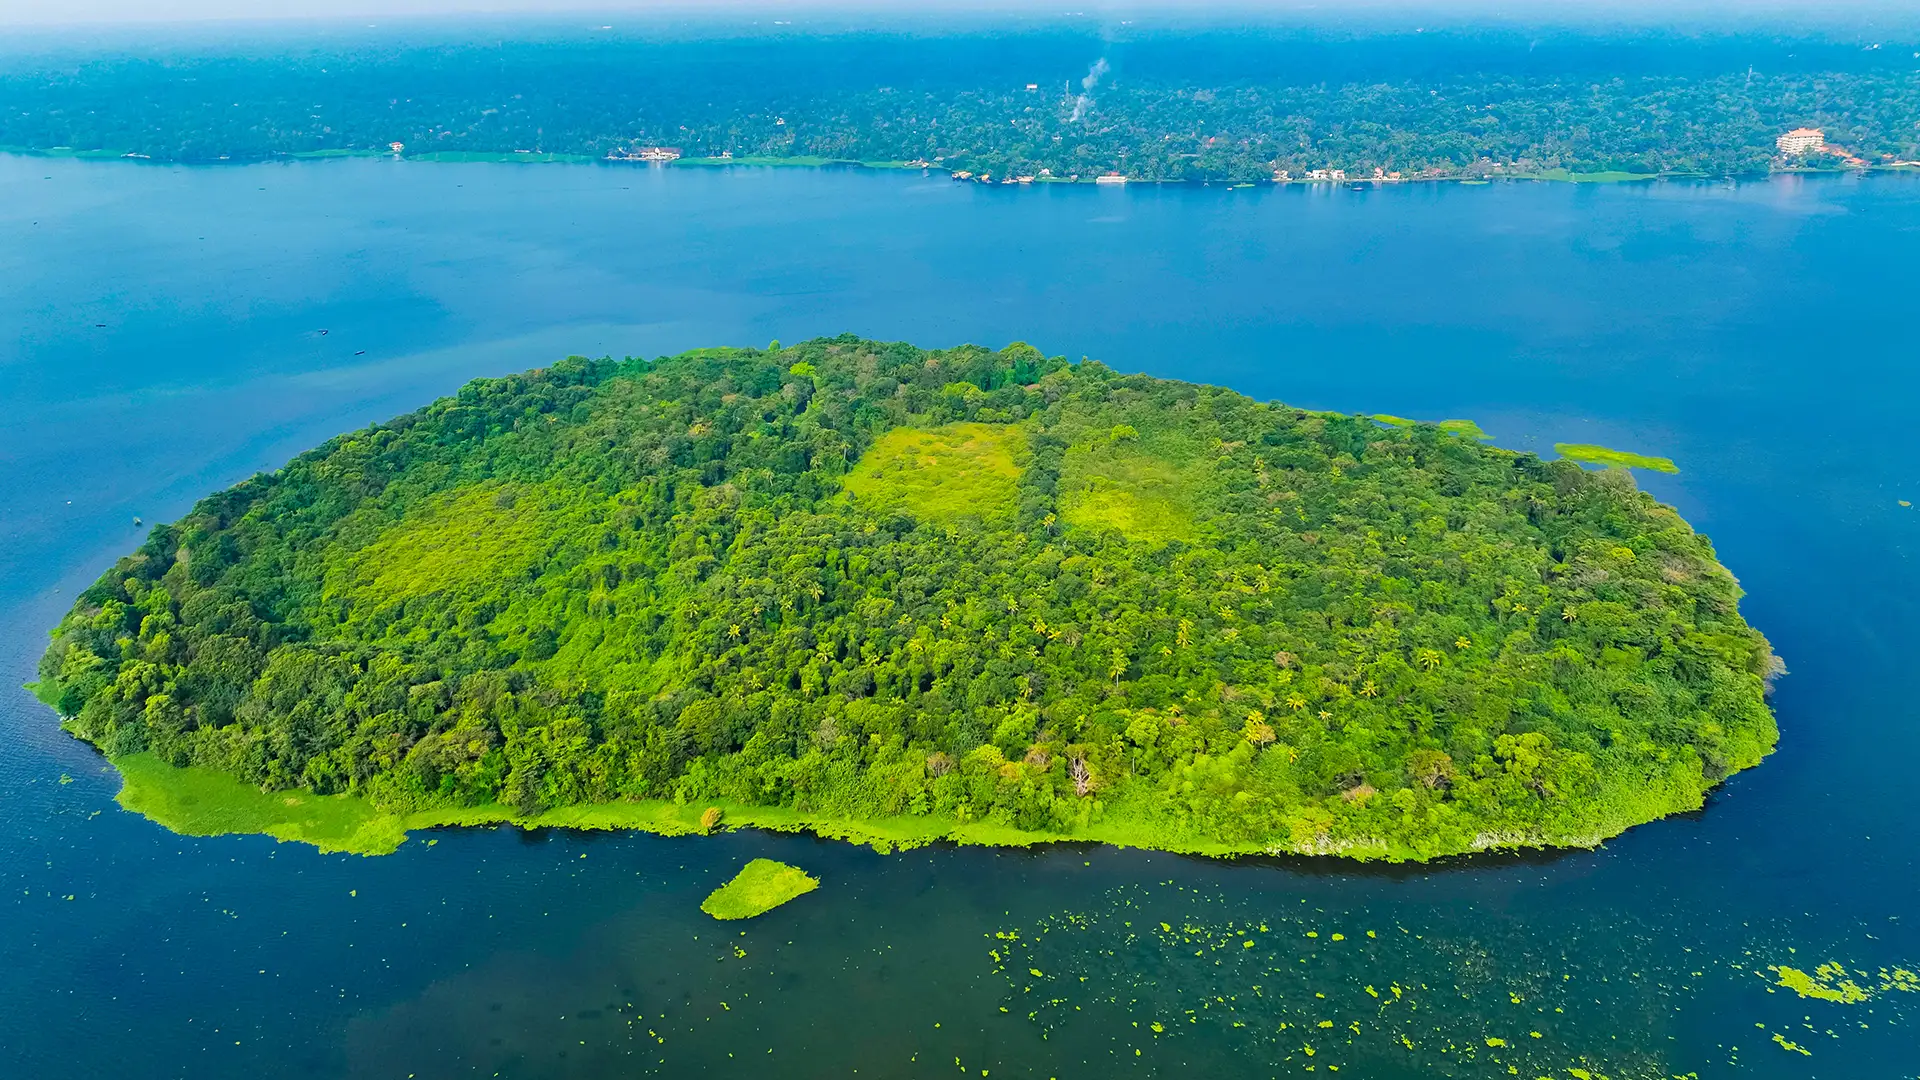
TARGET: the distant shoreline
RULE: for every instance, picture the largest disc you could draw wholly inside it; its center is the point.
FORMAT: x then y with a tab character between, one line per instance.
462	157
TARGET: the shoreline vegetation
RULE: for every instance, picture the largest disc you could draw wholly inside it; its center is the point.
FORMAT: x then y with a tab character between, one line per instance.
1590	454
456	157
900	596
1038	103
196	801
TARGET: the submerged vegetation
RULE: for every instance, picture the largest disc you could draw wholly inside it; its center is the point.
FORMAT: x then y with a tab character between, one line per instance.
894	595
758	888
1172	967
1602	455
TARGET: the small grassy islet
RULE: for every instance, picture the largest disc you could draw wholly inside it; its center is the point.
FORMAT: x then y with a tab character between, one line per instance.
758	888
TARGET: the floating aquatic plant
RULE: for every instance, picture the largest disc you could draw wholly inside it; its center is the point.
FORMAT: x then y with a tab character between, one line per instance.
758	888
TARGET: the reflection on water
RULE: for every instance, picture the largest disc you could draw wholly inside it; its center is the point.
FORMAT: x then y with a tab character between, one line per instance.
1757	335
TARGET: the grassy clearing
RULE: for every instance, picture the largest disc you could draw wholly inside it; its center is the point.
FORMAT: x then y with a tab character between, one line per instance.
944	473
1142	489
1587	453
758	888
477	535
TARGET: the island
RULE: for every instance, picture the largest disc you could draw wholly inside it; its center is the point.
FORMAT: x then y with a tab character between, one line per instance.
898	596
758	888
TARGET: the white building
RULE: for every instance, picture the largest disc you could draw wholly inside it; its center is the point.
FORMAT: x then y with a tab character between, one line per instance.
1802	141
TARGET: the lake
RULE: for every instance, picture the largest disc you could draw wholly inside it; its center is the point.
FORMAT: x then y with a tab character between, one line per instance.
173	330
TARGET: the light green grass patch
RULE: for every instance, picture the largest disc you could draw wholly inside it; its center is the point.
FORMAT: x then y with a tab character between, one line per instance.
473	536
1605	176
498	157
203	802
1145	492
1601	455
758	888
797	161
1466	429
943	473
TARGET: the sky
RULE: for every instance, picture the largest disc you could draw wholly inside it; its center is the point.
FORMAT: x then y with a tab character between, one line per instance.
109	12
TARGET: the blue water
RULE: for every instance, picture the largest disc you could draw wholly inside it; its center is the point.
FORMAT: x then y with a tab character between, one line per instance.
166	339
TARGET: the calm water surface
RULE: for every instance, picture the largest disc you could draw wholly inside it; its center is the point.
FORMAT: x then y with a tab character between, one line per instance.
170	331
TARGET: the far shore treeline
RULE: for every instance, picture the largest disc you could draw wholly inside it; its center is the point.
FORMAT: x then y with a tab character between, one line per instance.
863	582
1058	99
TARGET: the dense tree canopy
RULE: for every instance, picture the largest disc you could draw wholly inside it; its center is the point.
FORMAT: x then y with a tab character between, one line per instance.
1165	105
859	580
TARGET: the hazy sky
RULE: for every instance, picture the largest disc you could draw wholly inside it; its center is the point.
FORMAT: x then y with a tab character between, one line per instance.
96	12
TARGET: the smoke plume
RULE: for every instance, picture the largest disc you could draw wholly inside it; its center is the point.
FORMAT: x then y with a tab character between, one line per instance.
1087	84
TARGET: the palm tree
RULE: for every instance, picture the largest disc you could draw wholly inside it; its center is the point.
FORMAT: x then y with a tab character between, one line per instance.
1368	689
1428	658
1567	614
1462	643
1296	702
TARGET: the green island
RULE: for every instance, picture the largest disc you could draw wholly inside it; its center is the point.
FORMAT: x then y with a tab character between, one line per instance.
1603	455
758	888
899	596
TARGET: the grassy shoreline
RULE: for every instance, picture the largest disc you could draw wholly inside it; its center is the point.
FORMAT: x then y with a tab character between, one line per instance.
1591	454
202	802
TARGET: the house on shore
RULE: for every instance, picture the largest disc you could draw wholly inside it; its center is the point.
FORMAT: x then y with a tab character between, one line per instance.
1802	141
647	153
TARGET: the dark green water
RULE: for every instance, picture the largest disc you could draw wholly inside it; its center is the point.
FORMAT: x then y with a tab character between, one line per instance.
167	341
